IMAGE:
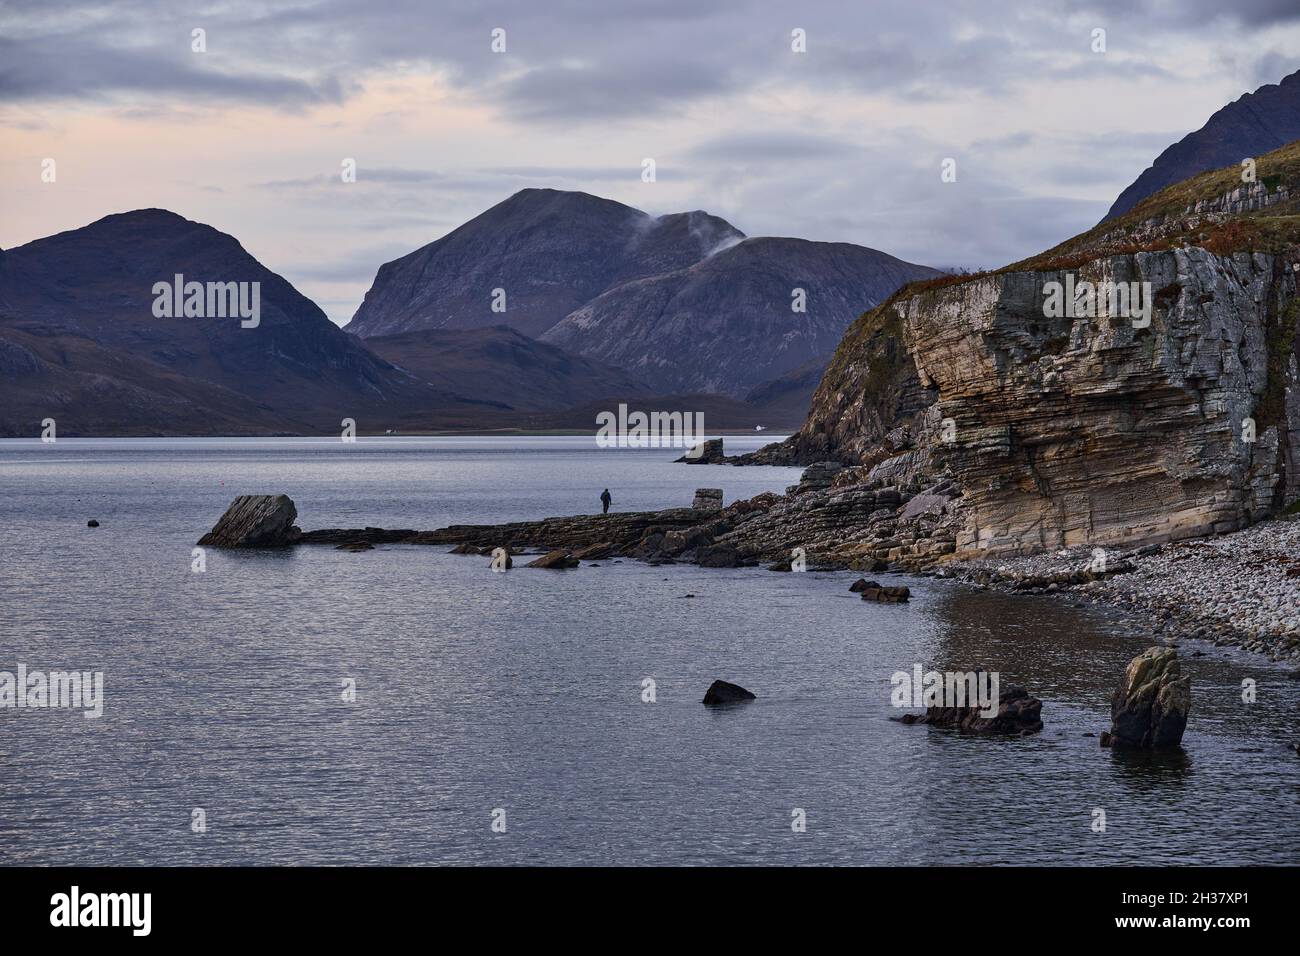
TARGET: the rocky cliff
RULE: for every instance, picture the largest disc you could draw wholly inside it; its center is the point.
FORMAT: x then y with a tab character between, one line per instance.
1102	429
1070	432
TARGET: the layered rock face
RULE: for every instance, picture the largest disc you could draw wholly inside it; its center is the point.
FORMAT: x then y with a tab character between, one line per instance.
1168	411
868	398
256	521
1091	431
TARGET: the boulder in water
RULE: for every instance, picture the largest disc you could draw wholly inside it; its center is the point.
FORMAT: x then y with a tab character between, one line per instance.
256	521
718	556
1018	714
708	452
721	692
557	560
871	591
1150	707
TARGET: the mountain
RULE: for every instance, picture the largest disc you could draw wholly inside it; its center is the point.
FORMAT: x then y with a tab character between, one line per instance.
790	394
80	342
501	364
685	303
1253	125
728	323
720	413
550	251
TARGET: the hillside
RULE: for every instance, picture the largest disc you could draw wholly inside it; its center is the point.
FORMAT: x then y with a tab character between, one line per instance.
82	343
1255	124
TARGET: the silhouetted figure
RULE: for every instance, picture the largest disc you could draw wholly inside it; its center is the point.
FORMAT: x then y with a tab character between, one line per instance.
605	499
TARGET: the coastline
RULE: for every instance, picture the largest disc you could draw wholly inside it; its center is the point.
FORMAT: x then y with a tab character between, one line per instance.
1239	589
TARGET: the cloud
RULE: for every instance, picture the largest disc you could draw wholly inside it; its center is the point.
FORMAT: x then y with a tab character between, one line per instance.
765	146
841	143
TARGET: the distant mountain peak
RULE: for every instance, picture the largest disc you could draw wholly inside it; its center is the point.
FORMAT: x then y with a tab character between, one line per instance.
1253	124
81	304
549	250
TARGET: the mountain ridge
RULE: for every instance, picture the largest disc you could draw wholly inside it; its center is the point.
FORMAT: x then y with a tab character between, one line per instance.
1255	123
549	250
684	302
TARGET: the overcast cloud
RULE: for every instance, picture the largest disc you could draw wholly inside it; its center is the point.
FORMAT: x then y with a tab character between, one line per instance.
843	142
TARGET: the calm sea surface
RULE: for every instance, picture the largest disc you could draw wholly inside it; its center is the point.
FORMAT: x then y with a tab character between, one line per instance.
523	691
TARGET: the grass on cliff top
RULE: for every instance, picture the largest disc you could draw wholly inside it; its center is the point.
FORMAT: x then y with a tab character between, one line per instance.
1266	230
882	320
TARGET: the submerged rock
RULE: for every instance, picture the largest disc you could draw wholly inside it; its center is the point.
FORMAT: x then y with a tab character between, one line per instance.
871	591
354	546
1150	707
1018	714
92	523
558	559
721	692
255	521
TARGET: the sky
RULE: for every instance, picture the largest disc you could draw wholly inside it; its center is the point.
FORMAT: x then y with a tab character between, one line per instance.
845	141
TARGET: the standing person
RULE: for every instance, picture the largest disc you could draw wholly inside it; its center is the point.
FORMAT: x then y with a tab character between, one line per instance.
605	499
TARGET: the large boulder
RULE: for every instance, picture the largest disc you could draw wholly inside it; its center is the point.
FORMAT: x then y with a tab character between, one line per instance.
675	542
718	556
1150	708
255	521
721	692
708	452
1018	714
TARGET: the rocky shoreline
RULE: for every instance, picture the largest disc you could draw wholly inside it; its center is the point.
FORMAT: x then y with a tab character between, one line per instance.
1238	589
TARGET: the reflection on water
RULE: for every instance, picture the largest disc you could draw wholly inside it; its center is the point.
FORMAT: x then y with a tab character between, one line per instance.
522	691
